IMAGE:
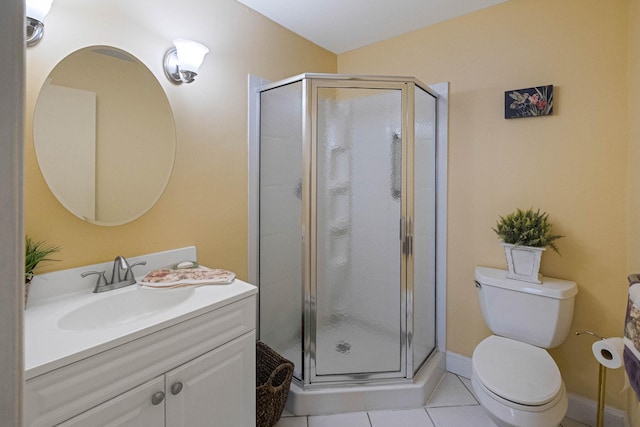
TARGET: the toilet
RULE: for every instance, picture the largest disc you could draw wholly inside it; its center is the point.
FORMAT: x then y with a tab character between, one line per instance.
514	378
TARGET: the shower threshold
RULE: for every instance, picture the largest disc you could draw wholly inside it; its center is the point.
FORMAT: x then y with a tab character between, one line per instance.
360	398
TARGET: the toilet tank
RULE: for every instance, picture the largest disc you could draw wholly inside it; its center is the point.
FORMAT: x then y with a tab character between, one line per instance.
538	314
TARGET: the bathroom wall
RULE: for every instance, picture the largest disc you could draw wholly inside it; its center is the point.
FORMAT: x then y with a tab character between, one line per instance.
633	242
11	272
205	203
572	164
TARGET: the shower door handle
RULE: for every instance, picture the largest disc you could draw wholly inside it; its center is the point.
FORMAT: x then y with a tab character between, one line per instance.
403	236
406	235
410	236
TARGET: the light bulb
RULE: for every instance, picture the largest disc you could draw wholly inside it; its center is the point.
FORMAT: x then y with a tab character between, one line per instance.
38	9
190	55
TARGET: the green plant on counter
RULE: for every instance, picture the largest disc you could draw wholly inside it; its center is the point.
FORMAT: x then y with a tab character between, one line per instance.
35	253
527	228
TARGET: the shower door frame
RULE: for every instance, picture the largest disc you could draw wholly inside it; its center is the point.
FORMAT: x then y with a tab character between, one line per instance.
310	150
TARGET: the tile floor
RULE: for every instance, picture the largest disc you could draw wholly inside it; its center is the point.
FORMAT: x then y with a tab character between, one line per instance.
451	405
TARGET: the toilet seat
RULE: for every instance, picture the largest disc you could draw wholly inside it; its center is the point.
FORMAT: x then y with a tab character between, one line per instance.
518	407
516	372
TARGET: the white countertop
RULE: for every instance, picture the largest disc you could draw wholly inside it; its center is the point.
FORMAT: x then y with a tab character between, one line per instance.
48	346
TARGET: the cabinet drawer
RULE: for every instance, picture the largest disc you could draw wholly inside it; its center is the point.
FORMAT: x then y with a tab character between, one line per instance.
58	395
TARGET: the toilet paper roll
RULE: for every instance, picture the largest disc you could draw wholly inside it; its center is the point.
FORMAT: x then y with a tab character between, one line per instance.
608	352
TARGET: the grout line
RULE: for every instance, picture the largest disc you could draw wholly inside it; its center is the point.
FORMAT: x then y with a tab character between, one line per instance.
435	389
429	415
467	388
452	406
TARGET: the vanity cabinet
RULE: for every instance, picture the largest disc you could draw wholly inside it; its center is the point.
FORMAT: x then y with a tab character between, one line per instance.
198	372
213	390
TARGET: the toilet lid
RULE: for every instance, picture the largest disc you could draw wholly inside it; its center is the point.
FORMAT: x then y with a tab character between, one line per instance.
516	371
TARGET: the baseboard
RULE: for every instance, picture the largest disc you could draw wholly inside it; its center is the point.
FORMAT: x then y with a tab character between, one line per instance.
458	364
586	411
580	409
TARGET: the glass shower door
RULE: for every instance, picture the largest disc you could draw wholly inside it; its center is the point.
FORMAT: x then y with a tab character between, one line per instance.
424	228
280	265
358	289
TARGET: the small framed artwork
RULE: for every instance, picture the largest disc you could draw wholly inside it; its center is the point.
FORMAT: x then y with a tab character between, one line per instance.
529	102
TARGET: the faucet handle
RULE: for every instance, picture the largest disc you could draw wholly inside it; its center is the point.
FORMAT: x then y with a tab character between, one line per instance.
102	280
128	275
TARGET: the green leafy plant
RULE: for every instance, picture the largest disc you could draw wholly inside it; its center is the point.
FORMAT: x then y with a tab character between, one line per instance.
35	253
527	228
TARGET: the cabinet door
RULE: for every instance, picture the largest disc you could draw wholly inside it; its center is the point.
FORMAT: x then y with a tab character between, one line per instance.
218	389
131	409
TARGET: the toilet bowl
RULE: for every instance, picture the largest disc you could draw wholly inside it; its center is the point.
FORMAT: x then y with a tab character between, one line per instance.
518	384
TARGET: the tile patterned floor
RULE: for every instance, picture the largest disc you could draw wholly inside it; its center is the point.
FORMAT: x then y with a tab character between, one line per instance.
451	405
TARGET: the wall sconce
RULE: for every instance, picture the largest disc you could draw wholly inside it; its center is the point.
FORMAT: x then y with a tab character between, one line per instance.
181	62
36	10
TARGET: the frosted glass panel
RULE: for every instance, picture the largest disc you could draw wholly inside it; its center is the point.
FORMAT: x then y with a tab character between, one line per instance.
280	221
358	276
424	244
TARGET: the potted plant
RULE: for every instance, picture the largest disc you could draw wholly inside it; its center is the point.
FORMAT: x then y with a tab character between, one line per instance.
525	235
35	253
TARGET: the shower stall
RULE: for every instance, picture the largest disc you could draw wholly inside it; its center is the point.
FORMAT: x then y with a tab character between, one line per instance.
346	258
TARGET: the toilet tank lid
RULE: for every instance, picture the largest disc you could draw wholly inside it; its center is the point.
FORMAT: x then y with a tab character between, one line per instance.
550	287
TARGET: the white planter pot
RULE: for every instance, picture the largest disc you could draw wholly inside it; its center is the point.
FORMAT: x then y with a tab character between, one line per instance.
523	262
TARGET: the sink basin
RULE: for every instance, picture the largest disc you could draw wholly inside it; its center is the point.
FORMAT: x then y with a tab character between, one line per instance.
127	306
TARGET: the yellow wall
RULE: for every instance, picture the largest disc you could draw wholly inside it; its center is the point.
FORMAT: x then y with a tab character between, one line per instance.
205	203
633	255
572	164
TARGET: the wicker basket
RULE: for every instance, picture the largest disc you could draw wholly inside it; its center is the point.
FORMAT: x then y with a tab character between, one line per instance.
273	378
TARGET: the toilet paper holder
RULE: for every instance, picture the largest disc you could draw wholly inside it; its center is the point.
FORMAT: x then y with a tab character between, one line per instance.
602	379
589	333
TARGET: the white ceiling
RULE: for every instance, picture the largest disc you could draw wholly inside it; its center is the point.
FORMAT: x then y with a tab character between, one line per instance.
343	25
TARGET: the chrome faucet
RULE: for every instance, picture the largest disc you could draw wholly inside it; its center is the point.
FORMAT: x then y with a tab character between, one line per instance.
120	264
121	276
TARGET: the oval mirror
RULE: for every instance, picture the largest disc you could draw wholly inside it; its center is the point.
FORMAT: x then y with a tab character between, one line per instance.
104	135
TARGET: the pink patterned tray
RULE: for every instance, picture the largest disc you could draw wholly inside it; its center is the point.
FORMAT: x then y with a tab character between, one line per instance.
176	277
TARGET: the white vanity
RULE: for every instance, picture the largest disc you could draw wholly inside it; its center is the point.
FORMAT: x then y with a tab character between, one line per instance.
139	357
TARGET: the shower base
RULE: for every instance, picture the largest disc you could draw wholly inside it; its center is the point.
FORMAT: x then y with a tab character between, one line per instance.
358	398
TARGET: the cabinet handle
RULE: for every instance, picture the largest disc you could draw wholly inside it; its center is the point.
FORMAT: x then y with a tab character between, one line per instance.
157	398
176	388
